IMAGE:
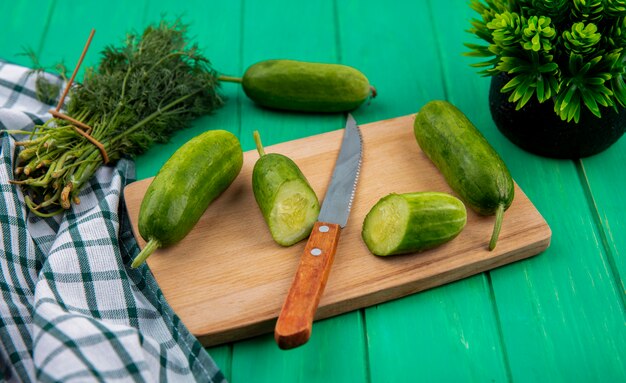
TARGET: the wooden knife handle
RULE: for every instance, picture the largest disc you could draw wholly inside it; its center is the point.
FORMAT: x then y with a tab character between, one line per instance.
295	321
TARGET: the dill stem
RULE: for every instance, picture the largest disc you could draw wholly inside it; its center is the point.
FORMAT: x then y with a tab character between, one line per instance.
35	209
28	132
152	116
50	200
123	89
42	181
160	83
173	54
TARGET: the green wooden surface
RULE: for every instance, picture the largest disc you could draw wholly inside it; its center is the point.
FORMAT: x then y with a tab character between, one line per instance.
303	31
409	338
21	29
557	317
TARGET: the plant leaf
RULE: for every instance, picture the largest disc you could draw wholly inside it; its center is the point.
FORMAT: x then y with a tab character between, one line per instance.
512	84
527	95
541	90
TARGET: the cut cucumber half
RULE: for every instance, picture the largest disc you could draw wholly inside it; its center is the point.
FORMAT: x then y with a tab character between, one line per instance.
294	212
289	205
412	222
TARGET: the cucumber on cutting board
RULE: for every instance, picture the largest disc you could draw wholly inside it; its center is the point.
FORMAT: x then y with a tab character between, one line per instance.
470	165
288	203
412	222
196	174
305	86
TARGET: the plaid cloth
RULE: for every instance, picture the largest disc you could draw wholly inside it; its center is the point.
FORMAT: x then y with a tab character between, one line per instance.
71	307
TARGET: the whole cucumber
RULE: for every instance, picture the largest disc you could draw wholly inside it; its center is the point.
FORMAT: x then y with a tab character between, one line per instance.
196	174
305	86
288	203
470	165
412	222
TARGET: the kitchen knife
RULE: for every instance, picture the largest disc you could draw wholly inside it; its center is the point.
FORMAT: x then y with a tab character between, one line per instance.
295	321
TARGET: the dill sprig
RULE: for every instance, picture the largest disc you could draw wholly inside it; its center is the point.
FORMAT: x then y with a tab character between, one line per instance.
138	95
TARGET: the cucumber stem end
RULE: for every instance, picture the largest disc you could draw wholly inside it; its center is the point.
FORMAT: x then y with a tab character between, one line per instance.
238	80
150	247
373	92
496	227
257	141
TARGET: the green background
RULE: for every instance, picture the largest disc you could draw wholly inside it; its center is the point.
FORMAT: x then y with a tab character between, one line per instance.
557	317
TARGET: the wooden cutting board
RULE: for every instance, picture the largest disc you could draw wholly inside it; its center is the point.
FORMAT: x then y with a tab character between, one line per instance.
227	279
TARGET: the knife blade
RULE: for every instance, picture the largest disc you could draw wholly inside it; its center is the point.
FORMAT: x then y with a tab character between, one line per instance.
295	322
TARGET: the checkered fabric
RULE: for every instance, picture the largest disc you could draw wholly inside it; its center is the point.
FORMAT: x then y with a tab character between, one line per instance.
71	307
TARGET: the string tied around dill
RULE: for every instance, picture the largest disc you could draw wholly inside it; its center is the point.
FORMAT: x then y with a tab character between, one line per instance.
86	129
139	94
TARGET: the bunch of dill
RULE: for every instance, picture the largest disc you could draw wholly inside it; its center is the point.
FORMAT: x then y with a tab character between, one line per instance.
139	94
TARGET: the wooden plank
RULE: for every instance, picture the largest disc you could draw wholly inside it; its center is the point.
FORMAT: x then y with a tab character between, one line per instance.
449	333
122	17
72	22
323	359
560	314
541	331
217	31
18	34
301	31
384	42
604	175
220	273
445	329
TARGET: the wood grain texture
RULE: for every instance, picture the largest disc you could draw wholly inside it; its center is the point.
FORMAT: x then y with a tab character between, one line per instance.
563	306
557	317
603	175
71	24
219	271
216	28
295	321
16	36
449	333
302	31
217	31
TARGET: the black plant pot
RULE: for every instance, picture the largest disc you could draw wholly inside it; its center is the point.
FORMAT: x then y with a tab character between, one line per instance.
537	129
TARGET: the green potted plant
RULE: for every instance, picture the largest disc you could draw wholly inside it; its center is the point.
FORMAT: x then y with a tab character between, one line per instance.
558	68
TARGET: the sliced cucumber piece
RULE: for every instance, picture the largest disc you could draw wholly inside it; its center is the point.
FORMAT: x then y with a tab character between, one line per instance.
294	212
412	222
